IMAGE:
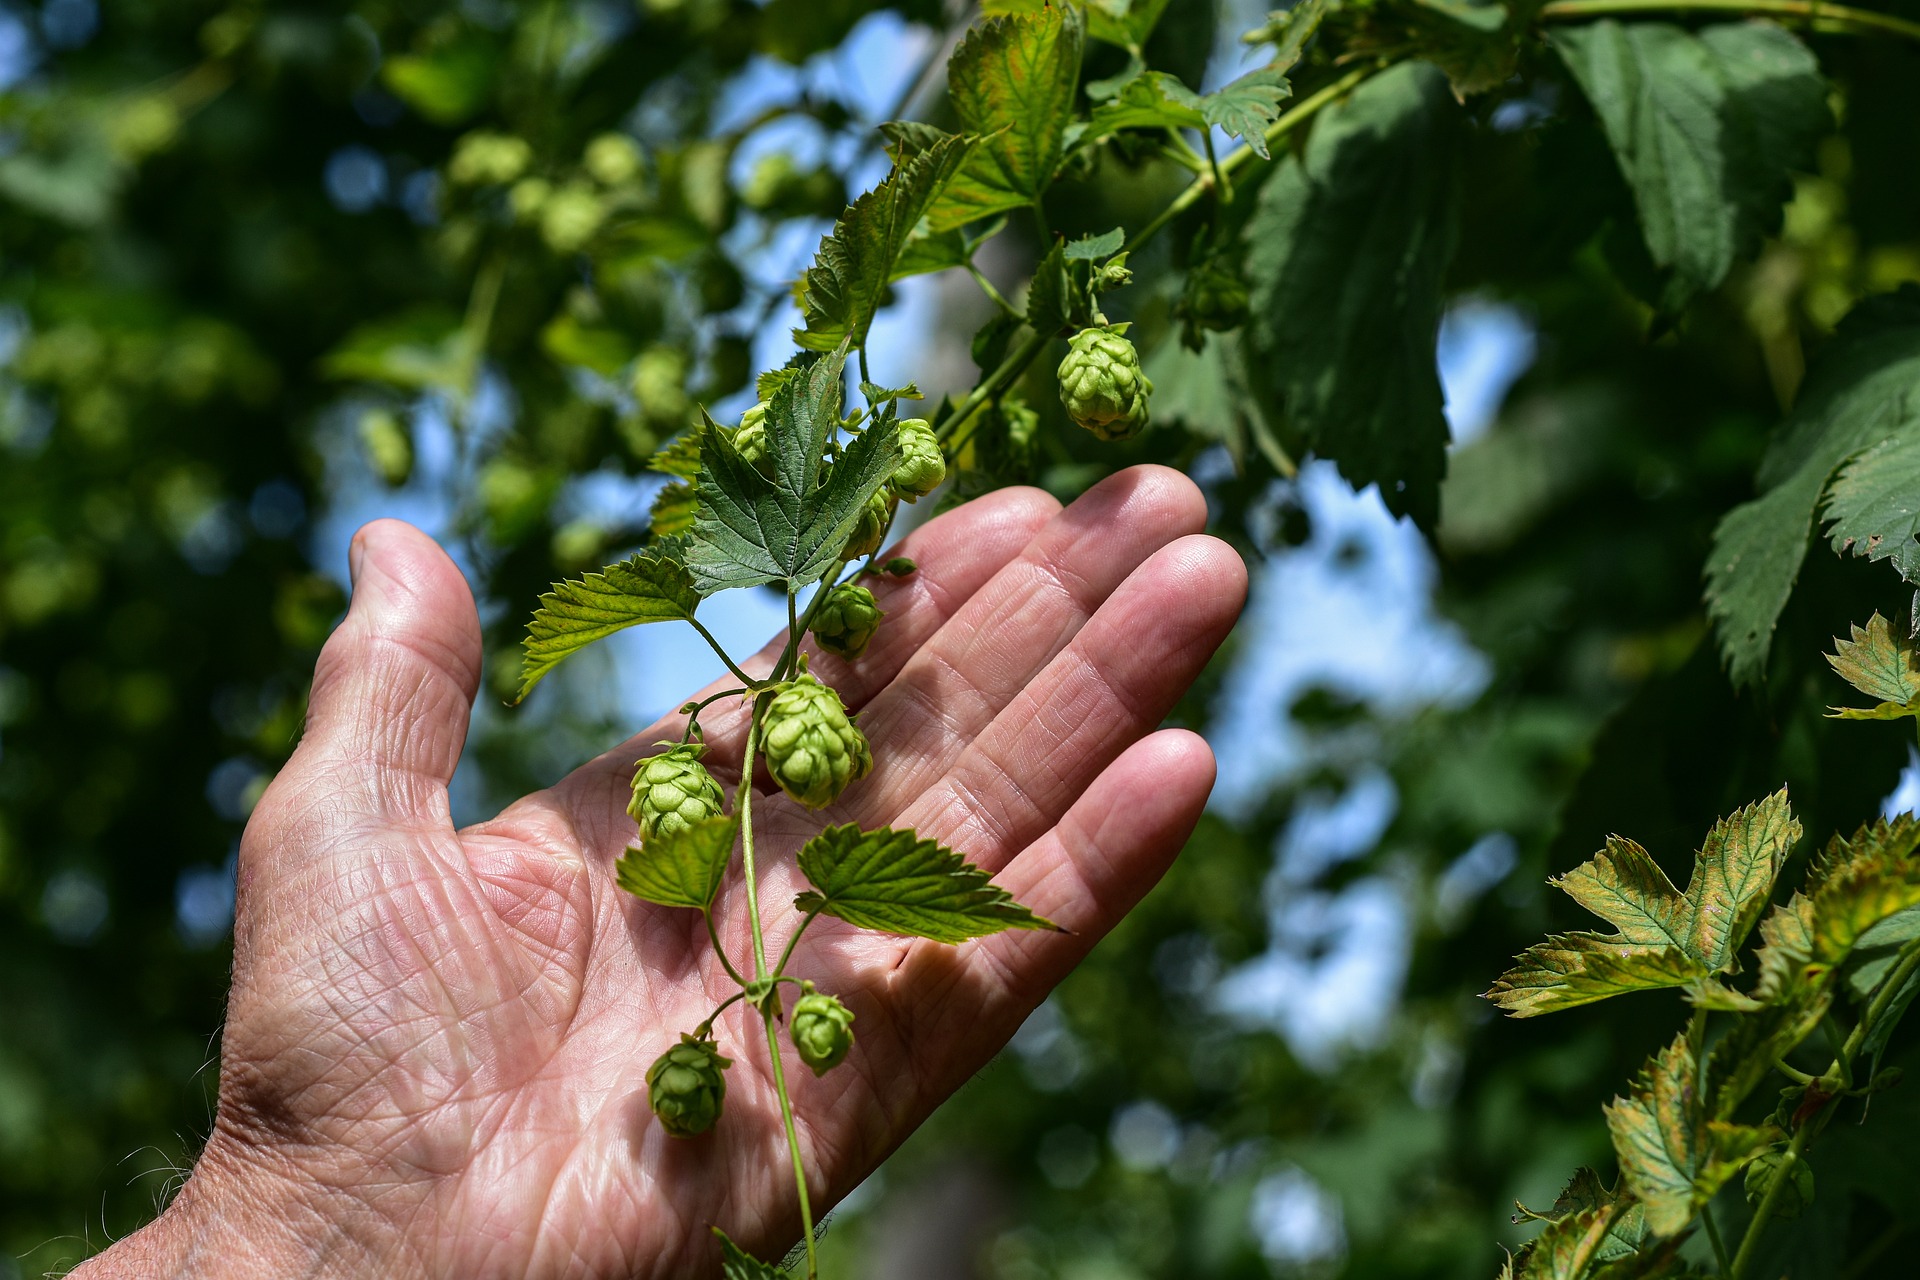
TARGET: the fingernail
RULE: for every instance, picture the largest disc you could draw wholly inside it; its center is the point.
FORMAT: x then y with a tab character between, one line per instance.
356	552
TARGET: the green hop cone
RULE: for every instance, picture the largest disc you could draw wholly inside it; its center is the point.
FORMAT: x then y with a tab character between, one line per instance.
1215	298
750	441
673	790
872	527
1795	1195
1101	384
822	1030
813	748
922	466
847	619
687	1086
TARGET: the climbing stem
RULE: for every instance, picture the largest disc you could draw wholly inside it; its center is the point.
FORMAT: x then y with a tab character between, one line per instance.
721	951
732	666
767	1014
1713	1238
787	953
1818	15
743	805
1763	1214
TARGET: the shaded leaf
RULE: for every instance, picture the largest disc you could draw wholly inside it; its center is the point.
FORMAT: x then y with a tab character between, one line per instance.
1585	1194
1854	398
681	868
1245	107
1346	254
679	457
1126	23
1672	1157
1706	127
1874	503
1012	82
647	588
895	882
427	348
841	291
673	512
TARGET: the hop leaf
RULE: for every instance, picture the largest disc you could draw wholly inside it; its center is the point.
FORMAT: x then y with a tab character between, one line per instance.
1672	1157
679	868
895	882
687	1087
813	748
647	588
1665	938
737	1264
1880	666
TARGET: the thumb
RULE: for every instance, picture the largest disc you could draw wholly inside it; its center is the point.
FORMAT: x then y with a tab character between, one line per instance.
394	685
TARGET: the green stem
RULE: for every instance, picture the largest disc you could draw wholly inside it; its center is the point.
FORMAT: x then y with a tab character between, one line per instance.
693	709
743	805
793	1137
1713	1238
1764	1213
996	382
986	287
1305	110
707	635
713	1017
1818	15
794	941
1222	183
725	963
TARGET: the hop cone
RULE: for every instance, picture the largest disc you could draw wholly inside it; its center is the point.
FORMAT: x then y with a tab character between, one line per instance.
822	1031
847	619
866	536
1215	298
813	748
750	441
923	466
1102	386
672	791
687	1086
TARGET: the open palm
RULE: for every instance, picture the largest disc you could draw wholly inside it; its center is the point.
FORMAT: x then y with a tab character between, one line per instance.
437	1040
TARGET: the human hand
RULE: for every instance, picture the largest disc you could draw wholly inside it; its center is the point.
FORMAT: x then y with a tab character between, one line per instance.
436	1042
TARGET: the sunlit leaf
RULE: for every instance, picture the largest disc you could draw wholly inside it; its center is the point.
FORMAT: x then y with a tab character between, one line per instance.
1874	504
1665	937
791	528
895	882
1880	666
737	1264
1012	82
647	588
842	290
679	868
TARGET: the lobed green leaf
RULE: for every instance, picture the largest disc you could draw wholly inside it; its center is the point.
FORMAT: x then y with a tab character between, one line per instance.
840	293
737	1264
647	588
1347	252
750	529
682	868
1880	666
1012	81
1673	1158
1707	126
895	882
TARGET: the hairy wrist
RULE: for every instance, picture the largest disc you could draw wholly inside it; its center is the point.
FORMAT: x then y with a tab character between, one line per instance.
243	1214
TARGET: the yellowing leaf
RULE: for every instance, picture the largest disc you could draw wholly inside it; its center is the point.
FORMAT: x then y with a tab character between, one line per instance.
682	868
1880	666
1857	883
1665	938
646	588
1585	1195
895	882
1672	1157
1012	81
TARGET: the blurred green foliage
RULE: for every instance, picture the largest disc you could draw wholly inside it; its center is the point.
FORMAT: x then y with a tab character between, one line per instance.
258	262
